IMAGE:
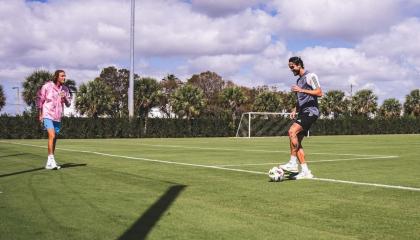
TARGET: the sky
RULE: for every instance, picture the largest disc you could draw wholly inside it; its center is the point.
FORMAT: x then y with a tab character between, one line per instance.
369	44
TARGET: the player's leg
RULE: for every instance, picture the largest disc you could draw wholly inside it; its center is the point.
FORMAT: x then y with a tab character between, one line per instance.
292	165
51	141
294	131
307	119
57	127
49	126
293	157
50	160
300	153
305	172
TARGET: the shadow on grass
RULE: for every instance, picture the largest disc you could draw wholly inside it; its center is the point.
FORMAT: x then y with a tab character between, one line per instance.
66	165
13	155
70	165
145	223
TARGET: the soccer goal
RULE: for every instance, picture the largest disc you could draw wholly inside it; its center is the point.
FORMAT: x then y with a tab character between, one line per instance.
262	124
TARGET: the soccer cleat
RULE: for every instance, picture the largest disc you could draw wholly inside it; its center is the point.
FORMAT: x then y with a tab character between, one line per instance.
304	175
290	167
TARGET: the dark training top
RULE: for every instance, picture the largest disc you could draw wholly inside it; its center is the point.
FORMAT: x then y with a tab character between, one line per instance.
307	103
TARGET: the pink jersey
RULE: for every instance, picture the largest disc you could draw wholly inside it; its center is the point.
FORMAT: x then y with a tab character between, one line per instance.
50	101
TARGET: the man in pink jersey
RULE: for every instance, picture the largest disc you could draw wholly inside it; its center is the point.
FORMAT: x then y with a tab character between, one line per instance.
51	100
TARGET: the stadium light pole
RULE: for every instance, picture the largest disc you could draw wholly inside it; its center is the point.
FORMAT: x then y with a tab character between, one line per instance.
351	98
131	79
18	100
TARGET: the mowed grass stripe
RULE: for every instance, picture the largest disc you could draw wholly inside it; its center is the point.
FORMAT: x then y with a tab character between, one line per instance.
221	168
259	150
314	161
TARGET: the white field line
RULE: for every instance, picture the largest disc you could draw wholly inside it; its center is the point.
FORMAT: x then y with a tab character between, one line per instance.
257	150
368	184
223	168
317	161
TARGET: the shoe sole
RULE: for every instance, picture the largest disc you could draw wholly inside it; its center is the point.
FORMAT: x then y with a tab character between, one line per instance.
54	168
286	170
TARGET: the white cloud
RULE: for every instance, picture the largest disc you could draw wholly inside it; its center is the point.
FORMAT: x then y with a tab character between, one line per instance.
400	44
248	42
177	30
222	64
339	67
348	20
218	8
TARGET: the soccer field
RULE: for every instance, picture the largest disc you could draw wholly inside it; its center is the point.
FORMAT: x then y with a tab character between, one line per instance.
365	187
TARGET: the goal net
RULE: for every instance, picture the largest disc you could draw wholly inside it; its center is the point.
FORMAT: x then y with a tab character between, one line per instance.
262	124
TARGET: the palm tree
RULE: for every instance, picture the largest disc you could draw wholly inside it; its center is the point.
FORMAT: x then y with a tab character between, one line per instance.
412	103
188	101
32	85
71	85
333	102
94	99
364	103
391	108
2	98
168	86
233	97
146	97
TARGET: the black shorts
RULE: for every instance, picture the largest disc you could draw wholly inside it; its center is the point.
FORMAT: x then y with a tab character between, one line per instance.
306	120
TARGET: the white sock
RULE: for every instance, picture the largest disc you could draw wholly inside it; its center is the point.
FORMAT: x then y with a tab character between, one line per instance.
293	159
50	156
304	167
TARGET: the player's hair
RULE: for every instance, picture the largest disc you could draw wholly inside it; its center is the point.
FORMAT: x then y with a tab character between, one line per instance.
56	74
297	61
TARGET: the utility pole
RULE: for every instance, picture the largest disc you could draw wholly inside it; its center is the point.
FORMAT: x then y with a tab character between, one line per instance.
131	79
18	100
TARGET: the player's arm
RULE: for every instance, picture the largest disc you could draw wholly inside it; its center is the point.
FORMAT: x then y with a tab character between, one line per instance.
66	97
293	113
40	99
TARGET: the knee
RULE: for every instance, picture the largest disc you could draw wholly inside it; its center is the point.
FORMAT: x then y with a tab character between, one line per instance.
292	133
52	135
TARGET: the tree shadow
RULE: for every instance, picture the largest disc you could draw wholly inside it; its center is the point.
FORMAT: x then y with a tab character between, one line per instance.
141	228
66	165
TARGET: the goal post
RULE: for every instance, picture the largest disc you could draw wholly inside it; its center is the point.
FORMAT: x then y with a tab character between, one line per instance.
260	124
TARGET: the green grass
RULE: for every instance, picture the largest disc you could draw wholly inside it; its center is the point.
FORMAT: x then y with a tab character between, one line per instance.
146	196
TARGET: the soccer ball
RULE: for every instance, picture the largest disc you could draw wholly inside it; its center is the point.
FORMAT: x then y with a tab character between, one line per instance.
276	174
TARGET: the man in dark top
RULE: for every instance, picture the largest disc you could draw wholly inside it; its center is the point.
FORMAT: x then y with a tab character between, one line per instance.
307	90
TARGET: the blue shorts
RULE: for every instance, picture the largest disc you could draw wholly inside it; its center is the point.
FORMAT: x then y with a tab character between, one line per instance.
50	124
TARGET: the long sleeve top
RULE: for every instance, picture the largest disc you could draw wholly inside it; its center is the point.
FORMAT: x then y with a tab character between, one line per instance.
50	103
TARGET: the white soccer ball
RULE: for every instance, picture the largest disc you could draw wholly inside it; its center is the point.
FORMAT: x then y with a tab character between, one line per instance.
276	174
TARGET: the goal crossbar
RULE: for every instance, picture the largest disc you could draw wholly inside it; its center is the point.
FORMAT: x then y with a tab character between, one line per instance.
256	113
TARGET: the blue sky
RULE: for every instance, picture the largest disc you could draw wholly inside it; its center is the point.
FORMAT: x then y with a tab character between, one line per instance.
366	43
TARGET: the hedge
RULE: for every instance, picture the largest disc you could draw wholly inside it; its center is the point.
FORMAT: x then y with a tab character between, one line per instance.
27	127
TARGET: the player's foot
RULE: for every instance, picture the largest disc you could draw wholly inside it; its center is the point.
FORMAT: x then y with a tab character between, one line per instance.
290	167
304	175
52	164
52	167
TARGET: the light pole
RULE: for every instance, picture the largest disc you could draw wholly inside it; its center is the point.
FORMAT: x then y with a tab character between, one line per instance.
351	98
131	79
18	100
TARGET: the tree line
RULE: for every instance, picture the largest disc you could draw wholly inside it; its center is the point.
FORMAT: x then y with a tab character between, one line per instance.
205	95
